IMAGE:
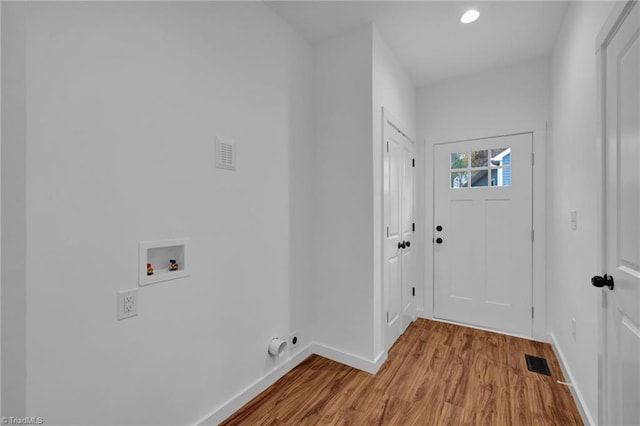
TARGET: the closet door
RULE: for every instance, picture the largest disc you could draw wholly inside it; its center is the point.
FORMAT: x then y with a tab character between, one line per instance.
398	247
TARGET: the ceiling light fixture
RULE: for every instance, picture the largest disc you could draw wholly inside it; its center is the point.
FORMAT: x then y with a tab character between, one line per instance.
469	16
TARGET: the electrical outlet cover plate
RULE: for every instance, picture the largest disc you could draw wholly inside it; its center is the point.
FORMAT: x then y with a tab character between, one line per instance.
127	303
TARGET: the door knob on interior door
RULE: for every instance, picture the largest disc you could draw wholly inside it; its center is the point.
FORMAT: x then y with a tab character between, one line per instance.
407	243
401	245
439	240
606	280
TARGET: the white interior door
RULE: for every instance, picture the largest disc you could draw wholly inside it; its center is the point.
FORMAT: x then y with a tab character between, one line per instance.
408	229
483	232
398	265
622	229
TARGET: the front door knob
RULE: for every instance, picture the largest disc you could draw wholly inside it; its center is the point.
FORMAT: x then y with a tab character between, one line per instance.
439	240
401	245
606	280
407	243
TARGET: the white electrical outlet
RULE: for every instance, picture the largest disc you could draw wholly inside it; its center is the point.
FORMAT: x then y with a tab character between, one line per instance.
573	328
127	303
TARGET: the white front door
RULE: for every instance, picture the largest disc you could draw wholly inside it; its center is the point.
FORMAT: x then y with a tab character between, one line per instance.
398	268
482	233
622	225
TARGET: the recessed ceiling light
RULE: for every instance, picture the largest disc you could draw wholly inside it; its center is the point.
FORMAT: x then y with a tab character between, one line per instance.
469	16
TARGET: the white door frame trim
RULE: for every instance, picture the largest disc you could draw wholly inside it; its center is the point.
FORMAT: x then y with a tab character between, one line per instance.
0	219
539	131
608	30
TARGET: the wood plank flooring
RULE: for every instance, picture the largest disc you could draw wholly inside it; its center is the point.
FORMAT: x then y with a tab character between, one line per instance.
436	374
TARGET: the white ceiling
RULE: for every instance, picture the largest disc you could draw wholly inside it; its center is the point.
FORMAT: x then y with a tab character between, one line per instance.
427	36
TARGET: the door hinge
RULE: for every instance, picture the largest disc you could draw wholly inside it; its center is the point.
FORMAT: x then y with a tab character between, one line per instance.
533	158
387	146
387	317
413	291
413	162
387	232
414	226
532	312
533	235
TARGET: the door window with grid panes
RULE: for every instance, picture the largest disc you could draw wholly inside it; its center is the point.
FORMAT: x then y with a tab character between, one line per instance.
486	168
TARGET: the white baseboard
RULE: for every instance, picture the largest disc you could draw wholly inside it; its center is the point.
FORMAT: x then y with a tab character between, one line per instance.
350	360
254	389
587	418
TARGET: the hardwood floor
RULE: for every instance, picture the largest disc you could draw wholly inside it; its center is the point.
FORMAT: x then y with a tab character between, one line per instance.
436	374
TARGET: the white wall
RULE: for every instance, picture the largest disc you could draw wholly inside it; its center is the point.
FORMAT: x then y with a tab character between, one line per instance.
355	76
573	156
393	90
122	106
343	188
506	100
13	227
478	104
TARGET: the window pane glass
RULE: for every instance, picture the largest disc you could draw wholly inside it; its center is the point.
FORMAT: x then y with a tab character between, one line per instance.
479	158
501	177
479	178
459	179
506	160
506	176
501	156
459	160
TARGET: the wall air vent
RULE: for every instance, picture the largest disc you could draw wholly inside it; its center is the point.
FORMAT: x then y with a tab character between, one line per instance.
225	154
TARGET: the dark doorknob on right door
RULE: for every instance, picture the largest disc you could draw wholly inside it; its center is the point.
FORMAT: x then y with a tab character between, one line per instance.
439	240
606	280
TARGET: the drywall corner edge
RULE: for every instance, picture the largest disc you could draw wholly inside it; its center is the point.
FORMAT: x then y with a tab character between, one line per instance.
585	414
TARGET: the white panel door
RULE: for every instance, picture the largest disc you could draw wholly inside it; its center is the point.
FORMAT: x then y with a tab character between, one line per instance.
398	264
408	229
392	269
483	232
622	229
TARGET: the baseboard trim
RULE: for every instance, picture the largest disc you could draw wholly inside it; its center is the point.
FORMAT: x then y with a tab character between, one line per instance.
351	360
587	418
254	389
239	400
491	330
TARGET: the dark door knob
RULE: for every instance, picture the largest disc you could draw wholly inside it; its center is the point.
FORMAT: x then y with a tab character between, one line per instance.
439	228
401	245
606	280
408	243
439	240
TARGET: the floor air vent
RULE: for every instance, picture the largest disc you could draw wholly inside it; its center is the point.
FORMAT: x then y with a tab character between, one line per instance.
537	365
